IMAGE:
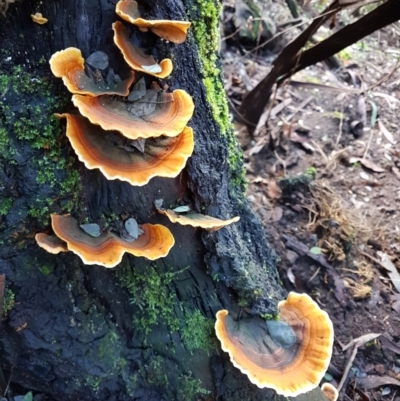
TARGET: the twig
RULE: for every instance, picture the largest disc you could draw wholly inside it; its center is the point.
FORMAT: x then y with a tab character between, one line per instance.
340	126
346	371
281	161
315	274
238	113
9	381
368	144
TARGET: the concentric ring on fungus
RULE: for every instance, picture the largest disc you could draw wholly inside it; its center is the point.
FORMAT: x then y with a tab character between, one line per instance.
170	117
135	58
108	249
69	65
290	370
174	31
162	156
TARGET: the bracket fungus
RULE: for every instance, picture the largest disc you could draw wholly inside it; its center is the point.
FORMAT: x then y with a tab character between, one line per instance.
51	243
38	18
173	31
135	57
329	391
108	249
292	368
163	156
169	117
197	220
69	65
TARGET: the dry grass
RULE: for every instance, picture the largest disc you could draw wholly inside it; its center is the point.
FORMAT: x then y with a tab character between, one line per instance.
359	288
336	221
339	227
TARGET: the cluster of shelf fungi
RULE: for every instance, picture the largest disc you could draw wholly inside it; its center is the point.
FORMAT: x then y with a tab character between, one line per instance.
133	133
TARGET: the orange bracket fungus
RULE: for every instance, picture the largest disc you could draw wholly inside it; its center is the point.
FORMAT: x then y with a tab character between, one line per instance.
272	358
135	57
38	18
174	31
51	243
69	65
197	220
134	120
329	391
107	249
163	157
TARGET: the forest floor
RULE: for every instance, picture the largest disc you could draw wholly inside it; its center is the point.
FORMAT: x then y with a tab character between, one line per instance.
324	178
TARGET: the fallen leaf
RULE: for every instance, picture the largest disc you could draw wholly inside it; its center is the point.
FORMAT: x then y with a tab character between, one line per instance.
277	213
158	203
139	144
315	250
138	90
98	60
373	381
133	229
182	209
359	341
291	276
368	164
396	172
391	268
386	343
388	135
155	69
145	105
273	190
92	229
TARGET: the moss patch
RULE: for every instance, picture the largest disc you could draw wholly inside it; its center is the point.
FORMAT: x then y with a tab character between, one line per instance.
204	19
8	301
30	131
149	292
198	332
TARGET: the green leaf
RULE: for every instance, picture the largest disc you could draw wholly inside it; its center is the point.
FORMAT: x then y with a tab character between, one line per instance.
315	250
28	396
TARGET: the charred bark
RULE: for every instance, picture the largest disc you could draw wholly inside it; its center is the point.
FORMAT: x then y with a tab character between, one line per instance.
141	331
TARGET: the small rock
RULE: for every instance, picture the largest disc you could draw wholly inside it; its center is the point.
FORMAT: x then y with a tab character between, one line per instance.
291	256
380	369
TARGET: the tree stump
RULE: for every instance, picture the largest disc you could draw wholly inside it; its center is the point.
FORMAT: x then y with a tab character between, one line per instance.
142	330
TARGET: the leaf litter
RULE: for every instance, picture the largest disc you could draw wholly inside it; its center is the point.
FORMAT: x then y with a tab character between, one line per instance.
356	211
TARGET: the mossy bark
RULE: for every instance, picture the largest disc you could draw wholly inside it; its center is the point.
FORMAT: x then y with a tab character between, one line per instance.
141	330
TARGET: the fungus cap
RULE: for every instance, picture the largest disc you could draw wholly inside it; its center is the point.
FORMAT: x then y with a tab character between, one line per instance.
174	31
38	18
197	220
135	58
108	249
51	243
329	391
169	118
163	157
69	65
289	371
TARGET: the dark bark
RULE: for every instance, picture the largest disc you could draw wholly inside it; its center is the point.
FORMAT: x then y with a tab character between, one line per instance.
79	332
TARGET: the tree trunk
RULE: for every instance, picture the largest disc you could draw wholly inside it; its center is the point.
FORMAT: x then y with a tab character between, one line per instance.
143	330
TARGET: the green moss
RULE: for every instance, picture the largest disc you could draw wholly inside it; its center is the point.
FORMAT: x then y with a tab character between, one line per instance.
5	206
3	84
190	388
33	122
46	270
204	19
198	332
8	301
149	291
